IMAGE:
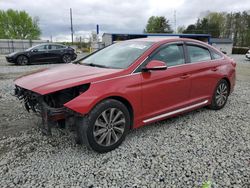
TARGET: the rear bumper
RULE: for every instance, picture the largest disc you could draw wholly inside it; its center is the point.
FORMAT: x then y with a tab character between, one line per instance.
74	56
232	80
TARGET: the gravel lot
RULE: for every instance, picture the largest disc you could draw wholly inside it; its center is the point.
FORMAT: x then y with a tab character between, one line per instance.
185	151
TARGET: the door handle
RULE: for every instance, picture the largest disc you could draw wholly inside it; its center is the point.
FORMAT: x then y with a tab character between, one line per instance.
214	69
184	76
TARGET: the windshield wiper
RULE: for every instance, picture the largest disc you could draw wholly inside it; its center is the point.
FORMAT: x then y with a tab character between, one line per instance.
95	65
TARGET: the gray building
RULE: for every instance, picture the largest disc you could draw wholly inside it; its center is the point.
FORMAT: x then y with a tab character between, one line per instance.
222	44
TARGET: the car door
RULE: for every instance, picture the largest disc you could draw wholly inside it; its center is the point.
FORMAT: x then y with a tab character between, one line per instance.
202	68
53	53
165	90
38	53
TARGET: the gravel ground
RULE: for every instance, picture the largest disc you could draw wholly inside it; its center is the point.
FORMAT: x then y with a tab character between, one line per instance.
185	151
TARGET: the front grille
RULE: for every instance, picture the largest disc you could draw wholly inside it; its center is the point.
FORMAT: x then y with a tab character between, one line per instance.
30	99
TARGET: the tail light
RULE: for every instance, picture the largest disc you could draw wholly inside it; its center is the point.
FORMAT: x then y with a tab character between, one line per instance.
233	63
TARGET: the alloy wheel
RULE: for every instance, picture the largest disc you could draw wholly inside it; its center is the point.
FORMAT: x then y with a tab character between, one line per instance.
22	60
109	127
66	59
221	94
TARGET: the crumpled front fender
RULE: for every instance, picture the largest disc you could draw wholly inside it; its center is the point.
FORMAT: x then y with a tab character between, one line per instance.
87	100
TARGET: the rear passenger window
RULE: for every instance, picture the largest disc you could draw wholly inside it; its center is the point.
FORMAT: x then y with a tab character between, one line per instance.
216	55
59	47
197	53
53	47
172	55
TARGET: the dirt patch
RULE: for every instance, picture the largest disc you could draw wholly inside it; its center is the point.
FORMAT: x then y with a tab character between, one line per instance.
243	72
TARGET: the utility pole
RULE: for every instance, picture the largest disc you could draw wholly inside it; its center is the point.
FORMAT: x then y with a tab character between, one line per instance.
175	30
71	26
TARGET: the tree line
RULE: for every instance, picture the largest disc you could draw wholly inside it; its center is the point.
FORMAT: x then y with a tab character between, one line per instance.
235	26
18	25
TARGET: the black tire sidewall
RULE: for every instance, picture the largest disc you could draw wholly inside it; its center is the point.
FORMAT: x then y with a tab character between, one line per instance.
94	114
214	104
24	57
64	56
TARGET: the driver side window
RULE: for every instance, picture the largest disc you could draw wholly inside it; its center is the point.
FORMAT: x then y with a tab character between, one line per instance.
40	48
172	55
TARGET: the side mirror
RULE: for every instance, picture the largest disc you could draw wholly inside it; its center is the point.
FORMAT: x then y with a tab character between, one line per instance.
34	50
155	65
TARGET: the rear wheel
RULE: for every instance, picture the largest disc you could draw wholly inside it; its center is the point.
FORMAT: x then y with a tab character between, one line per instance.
106	126
66	58
220	95
22	60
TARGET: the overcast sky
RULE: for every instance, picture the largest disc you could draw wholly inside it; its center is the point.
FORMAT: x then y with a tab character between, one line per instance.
114	15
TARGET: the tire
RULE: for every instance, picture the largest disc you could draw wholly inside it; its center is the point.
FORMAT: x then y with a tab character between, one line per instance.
61	123
22	60
220	95
105	127
66	58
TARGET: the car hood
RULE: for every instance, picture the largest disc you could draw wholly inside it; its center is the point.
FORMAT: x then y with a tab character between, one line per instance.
13	54
61	77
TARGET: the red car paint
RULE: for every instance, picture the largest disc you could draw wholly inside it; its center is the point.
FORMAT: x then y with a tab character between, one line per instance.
152	95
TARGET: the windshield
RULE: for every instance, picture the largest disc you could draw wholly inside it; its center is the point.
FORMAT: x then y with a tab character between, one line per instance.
119	55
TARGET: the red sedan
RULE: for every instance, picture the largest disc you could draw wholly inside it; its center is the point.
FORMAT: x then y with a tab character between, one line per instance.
127	85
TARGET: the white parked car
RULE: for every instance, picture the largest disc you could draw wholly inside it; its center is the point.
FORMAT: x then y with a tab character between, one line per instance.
248	54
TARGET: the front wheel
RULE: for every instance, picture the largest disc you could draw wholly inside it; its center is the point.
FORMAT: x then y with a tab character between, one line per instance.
220	95
105	127
22	60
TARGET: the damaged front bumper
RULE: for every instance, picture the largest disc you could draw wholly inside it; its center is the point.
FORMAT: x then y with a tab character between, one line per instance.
37	104
50	106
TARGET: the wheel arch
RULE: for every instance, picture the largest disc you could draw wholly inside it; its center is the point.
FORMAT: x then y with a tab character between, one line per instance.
126	103
22	55
228	81
66	53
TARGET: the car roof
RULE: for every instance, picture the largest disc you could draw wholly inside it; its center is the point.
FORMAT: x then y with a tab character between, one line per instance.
166	39
47	44
51	44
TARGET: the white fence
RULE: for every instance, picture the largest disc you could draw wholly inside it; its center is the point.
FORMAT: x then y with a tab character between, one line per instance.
8	45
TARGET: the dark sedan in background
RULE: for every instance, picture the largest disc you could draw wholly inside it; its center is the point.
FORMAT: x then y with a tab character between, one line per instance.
54	53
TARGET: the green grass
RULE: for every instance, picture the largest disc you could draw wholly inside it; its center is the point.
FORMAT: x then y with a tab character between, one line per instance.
207	184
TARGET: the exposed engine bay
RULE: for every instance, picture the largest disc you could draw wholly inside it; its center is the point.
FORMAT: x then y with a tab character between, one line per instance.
50	106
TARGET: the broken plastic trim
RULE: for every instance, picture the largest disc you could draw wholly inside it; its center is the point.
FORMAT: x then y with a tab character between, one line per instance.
49	107
53	101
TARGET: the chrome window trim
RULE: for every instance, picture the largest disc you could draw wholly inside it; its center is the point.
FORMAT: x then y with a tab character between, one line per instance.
212	60
203	46
196	63
175	111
